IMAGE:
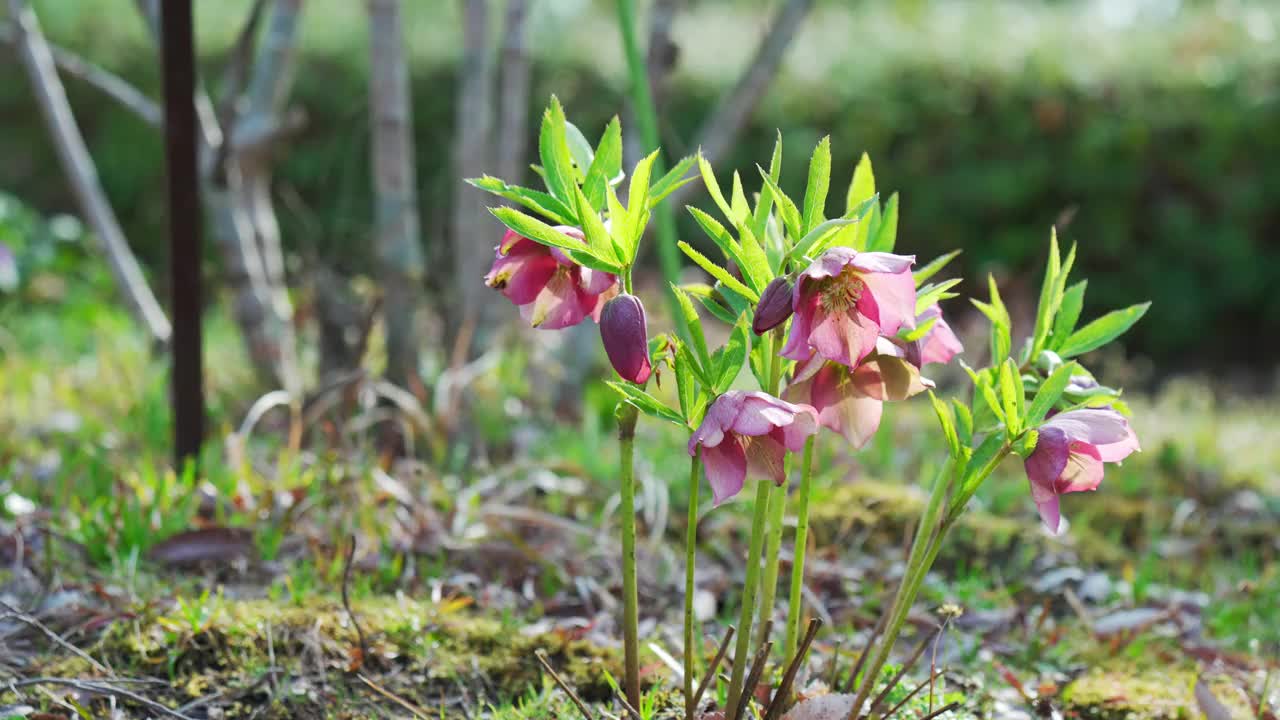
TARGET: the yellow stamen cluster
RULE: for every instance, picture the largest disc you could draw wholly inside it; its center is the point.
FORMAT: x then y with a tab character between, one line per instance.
842	292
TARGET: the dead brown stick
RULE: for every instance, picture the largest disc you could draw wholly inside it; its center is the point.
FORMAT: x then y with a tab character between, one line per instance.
11	611
944	709
541	655
915	657
346	601
850	686
781	695
932	676
414	710
100	688
753	677
715	665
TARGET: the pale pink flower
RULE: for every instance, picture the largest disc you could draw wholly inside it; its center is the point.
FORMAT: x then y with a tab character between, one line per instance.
1070	450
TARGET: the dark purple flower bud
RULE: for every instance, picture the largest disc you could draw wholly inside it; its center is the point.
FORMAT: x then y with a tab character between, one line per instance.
625	335
774	307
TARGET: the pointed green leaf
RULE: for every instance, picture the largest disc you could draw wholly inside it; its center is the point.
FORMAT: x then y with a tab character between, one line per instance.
948	425
672	181
598	238
553	149
786	207
645	403
815	193
964	421
930	294
543	233
606	164
546	205
1049	299
718	273
1103	330
885	236
738	201
1068	314
1011	396
1049	393
638	199
580	150
694	324
713	187
863	185
729	359
934	267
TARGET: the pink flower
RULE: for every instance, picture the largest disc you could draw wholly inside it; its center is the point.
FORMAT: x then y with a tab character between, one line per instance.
1069	453
749	431
625	335
939	343
851	402
551	290
845	300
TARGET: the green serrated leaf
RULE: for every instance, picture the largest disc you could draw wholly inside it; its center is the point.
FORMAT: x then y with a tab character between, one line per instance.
598	238
1068	314
638	200
719	273
579	149
738	201
553	149
815	237
694	324
863	185
1011	396
1047	308
787	209
543	233
885	236
964	421
646	403
546	205
729	359
733	252
1103	330
930	294
606	164
713	187
947	422
672	181
815	192
1049	393
923	274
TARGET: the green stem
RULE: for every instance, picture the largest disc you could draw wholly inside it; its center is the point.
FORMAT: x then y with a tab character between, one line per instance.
934	524
773	547
742	651
627	416
777	503
646	117
795	600
690	558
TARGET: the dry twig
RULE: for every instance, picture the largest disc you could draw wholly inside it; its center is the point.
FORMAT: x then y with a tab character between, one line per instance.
546	665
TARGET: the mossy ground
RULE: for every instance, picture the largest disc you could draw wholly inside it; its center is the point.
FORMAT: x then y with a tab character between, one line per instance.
259	658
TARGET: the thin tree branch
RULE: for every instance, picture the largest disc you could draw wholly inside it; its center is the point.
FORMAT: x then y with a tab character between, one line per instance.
105	81
721	130
513	101
78	164
397	225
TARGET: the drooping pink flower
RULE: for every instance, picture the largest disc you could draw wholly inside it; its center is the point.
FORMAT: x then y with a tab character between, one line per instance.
1069	453
551	290
845	300
749	431
625	335
851	402
939	343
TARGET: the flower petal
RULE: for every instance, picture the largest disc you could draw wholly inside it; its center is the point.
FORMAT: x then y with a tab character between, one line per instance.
940	343
883	262
1045	464
522	273
889	299
726	466
842	337
1097	426
889	378
765	458
558	305
842	408
1083	470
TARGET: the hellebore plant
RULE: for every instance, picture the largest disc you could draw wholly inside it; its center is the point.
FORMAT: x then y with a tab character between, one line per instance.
841	325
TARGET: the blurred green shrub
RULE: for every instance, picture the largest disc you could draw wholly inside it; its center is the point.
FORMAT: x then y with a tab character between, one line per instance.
1170	180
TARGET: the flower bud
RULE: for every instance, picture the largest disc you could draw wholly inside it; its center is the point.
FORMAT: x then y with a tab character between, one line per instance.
625	336
774	307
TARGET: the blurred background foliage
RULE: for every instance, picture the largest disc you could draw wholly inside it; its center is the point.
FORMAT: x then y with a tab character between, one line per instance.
1146	129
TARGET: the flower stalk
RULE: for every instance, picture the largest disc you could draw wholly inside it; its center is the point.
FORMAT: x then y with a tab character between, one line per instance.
627	416
795	599
690	562
742	652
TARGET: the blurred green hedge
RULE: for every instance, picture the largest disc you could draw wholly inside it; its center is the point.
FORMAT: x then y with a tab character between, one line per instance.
1172	189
